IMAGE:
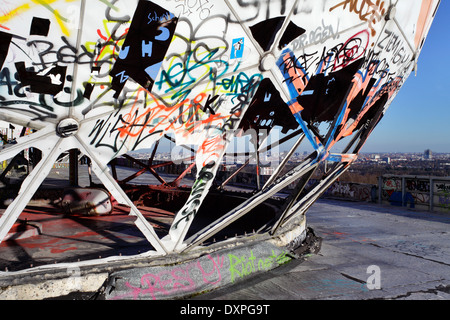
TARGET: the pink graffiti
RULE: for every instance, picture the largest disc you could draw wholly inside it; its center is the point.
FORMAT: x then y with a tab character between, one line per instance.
215	272
170	282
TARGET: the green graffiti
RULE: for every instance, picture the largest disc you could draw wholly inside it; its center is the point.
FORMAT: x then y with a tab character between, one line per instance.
243	266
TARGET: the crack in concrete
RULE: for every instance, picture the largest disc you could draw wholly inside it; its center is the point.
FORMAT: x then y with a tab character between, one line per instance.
436	290
353	278
409	254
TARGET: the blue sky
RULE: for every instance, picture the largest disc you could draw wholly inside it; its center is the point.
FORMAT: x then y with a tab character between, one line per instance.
419	117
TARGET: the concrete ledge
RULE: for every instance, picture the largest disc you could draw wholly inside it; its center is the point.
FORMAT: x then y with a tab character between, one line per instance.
205	273
175	276
51	288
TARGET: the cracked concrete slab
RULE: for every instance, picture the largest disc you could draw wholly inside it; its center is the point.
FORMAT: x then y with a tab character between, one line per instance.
410	249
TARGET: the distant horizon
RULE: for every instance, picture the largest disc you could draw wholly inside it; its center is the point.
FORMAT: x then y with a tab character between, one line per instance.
167	150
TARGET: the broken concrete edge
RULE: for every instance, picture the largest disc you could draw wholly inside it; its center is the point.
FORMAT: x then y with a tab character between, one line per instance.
175	276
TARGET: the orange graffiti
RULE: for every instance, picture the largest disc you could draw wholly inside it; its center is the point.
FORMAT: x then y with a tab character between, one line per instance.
374	95
425	13
366	9
360	83
298	79
159	116
297	76
11	14
213	147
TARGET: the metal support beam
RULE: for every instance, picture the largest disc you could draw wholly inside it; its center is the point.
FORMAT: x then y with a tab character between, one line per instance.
292	199
283	163
251	203
102	172
234	174
258	169
73	167
176	182
146	167
315	192
29	187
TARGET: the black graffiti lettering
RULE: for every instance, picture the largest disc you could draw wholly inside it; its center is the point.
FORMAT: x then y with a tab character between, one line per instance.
382	44
32	109
99	131
442	187
299	65
247	92
42	115
14	87
67	54
109	129
392	42
317	36
209	102
194	202
271	8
